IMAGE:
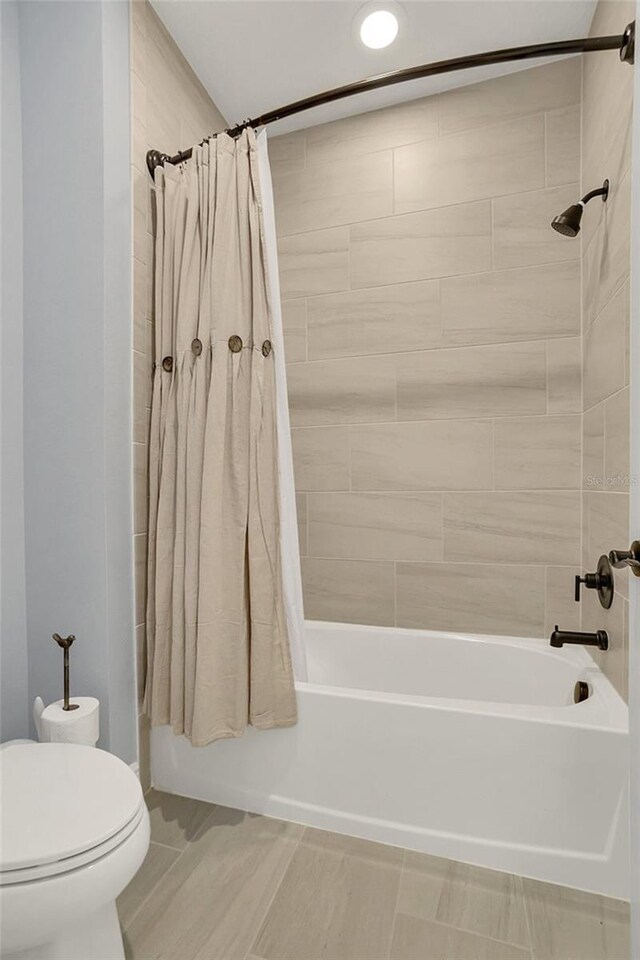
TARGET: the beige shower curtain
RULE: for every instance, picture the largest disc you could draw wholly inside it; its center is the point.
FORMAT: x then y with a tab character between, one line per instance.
217	647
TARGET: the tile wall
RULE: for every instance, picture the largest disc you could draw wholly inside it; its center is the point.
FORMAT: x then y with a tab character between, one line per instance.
433	338
170	110
606	152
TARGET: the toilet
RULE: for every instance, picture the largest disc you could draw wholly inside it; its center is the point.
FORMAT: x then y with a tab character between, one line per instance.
74	831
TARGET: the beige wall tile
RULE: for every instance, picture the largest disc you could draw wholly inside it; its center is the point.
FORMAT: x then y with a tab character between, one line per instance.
606	152
564	375
313	263
334	193
138	38
348	591
606	518
605	352
354	390
140	562
421	246
613	662
374	131
141	662
484	162
294	323
533	453
617	437
512	527
521	228
527	303
287	153
593	447
140	492
607	257
301	511
321	458
144	752
441	455
499	380
563	146
405	316
478	597
376	526
561	607
140	306
141	395
528	91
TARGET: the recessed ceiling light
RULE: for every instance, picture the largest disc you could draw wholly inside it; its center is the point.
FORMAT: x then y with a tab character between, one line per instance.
378	23
379	29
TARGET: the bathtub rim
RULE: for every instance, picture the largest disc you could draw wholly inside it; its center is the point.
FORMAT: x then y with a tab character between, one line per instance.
604	709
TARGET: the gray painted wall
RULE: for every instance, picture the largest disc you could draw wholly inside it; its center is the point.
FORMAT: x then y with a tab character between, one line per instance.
77	348
14	713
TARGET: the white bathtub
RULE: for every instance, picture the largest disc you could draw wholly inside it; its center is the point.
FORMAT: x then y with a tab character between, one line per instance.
468	747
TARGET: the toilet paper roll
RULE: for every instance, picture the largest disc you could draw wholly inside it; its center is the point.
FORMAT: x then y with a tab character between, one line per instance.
71	726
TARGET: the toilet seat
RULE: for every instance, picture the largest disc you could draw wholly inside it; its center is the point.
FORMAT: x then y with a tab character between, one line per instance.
63	806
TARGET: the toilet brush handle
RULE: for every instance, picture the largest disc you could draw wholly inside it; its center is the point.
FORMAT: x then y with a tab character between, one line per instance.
65	643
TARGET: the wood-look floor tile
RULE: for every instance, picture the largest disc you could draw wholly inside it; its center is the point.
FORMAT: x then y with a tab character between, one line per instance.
176	820
158	860
211	904
416	939
481	901
485	902
336	901
568	924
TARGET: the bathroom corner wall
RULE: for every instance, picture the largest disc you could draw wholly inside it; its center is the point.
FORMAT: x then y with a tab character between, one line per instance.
77	381
14	696
170	110
432	323
607	101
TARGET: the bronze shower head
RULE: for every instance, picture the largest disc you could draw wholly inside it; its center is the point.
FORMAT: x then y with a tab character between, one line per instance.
568	222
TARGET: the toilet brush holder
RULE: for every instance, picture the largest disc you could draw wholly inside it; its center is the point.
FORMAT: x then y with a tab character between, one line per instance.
65	643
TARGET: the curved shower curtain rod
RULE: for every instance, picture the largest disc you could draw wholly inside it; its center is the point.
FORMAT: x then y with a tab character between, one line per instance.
624	43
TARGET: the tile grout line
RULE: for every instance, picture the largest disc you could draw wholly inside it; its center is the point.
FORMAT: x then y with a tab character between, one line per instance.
270	903
146	899
395	906
440	347
180	852
527	917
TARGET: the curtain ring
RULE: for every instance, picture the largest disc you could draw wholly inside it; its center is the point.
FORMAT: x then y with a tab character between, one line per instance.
235	343
196	346
266	348
167	364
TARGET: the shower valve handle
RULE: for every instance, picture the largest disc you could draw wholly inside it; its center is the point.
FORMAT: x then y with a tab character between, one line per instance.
601	580
627	558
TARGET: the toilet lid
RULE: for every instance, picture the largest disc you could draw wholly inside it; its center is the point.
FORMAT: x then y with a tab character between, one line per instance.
61	799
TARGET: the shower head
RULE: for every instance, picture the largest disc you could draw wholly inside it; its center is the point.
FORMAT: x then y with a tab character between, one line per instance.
568	222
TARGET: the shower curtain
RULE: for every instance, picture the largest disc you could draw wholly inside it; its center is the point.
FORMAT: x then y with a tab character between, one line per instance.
224	604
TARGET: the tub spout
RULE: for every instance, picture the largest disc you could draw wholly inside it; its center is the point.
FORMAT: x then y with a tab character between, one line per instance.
598	639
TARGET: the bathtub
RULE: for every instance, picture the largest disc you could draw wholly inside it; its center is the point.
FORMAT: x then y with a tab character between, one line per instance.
467	747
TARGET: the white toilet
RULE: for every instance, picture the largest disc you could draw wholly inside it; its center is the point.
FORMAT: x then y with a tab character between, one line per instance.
74	830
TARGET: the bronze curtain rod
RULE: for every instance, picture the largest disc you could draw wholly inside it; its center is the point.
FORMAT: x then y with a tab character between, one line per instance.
624	43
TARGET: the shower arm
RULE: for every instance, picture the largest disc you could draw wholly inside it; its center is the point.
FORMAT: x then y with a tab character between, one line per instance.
624	43
602	191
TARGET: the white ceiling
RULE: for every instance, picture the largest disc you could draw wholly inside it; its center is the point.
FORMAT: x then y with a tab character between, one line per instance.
256	55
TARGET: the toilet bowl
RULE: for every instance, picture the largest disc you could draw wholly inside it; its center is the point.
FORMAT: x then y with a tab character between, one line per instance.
74	830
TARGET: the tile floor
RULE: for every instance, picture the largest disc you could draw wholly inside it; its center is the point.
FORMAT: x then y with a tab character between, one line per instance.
219	884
